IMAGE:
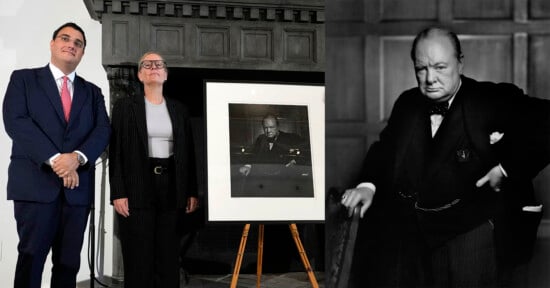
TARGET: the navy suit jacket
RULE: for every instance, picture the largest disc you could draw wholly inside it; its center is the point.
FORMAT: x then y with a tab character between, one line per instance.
33	118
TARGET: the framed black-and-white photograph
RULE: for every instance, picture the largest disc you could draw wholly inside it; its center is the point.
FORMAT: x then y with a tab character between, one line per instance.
265	150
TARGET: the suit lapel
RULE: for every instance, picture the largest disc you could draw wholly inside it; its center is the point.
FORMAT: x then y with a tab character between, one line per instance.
139	114
414	135
477	123
170	105
79	98
50	88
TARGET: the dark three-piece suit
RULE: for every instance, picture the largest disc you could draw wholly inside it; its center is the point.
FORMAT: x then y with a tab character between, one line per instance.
426	194
47	214
280	151
280	167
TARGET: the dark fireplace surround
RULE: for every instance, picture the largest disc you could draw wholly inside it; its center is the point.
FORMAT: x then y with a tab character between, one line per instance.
269	40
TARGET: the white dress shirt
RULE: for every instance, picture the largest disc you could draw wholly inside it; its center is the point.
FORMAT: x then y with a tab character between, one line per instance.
58	76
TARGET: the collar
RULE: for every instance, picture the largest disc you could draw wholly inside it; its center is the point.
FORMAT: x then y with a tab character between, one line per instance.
57	73
453	97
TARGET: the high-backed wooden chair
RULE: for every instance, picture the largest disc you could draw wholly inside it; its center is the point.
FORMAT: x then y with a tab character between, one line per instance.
341	234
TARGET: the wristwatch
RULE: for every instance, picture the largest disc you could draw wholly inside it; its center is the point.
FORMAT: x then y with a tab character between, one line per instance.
80	159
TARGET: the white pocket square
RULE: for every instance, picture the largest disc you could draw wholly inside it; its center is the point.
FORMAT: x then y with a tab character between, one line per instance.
532	208
495	137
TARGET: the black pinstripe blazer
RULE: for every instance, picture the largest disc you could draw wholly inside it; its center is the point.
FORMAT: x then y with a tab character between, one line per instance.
129	170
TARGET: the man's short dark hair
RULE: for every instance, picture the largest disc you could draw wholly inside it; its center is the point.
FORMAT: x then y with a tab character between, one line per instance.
437	31
72	25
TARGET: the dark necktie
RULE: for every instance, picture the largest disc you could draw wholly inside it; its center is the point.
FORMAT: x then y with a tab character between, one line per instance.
439	108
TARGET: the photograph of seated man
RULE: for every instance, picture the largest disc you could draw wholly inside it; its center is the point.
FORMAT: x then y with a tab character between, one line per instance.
270	151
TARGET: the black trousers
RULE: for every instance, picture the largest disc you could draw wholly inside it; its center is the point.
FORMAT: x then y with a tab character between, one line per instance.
149	236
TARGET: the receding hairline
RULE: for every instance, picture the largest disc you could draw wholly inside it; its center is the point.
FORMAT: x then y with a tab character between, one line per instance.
270	116
434	32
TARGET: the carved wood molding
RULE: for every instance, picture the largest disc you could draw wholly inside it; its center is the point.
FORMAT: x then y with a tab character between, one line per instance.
304	11
123	82
285	35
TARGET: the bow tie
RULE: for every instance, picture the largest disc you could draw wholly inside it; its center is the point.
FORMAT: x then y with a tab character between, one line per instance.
439	108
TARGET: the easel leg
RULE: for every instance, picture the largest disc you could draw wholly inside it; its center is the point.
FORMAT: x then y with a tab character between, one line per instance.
240	254
303	256
260	255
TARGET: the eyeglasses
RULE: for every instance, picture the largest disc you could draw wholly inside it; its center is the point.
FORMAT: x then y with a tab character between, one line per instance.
77	43
153	64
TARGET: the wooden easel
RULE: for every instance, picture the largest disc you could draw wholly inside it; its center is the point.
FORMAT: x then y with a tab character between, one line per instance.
240	254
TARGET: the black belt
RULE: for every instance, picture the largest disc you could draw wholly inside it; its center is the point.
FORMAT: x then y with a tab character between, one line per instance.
159	170
161	166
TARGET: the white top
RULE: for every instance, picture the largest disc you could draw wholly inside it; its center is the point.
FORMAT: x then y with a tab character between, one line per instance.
58	76
159	130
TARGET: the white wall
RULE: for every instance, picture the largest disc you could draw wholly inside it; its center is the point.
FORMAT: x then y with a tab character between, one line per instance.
27	27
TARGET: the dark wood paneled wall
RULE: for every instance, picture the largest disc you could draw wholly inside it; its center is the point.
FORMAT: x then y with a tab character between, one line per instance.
258	35
368	66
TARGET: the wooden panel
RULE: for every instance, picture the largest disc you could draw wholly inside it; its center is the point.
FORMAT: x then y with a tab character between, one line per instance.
120	43
482	9
216	43
116	6
539	66
345	98
539	9
373	81
257	43
397	71
169	40
299	45
345	155
521	51
408	10
349	10
488	58
213	42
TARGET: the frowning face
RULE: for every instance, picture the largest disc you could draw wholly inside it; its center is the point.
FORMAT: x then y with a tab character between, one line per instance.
271	129
437	68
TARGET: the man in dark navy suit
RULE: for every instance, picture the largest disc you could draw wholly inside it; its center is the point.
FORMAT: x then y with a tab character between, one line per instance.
59	127
448	185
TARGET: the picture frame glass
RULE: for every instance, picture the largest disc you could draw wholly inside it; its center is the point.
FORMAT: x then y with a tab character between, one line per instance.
265	151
